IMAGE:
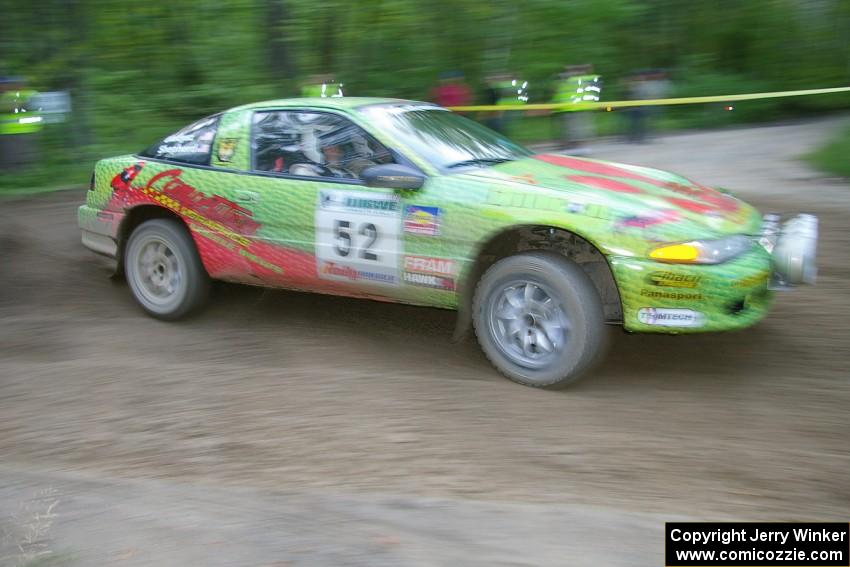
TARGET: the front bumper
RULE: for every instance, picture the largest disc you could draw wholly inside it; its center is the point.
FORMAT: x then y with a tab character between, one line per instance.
793	246
685	298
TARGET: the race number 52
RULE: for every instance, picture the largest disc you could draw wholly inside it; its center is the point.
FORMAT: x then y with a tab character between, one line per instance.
357	237
369	233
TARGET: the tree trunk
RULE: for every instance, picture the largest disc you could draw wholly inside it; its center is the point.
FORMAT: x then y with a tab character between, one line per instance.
327	41
280	58
75	81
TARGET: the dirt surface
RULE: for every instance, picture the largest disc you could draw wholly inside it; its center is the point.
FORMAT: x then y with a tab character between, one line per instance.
389	444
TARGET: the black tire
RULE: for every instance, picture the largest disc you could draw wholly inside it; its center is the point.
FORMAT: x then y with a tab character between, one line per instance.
551	358
170	262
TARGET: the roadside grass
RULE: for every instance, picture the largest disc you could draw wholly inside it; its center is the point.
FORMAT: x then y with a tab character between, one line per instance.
834	156
45	179
60	163
25	536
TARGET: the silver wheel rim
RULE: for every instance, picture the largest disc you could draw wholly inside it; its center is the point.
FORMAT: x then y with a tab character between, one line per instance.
158	272
529	326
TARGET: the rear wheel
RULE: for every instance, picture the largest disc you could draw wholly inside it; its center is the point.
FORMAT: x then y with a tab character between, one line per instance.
539	319
164	271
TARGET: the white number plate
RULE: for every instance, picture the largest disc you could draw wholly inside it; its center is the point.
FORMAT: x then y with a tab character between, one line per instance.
358	236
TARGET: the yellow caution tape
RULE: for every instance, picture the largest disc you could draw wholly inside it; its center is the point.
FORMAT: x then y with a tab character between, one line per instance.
654	102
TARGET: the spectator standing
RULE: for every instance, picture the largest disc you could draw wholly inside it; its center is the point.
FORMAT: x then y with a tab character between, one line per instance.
637	115
492	97
20	122
578	85
650	84
451	90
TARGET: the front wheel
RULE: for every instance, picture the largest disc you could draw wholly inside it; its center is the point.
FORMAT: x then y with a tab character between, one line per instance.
164	271
539	319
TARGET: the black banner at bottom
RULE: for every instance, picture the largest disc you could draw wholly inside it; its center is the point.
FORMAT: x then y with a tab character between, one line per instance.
768	544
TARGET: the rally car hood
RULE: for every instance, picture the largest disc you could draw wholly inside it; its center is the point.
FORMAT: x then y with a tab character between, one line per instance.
632	196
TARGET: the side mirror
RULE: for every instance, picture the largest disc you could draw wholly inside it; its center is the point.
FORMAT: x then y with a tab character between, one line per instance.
392	176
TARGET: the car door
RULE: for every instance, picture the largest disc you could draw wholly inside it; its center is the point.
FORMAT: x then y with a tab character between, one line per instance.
329	231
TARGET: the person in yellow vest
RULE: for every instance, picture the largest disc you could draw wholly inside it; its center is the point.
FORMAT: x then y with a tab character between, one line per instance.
578	85
19	122
504	90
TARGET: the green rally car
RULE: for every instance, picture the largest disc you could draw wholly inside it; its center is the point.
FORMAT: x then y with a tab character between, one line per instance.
408	202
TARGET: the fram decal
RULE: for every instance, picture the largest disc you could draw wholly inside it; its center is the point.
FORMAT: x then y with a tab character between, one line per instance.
428	265
431	272
422	220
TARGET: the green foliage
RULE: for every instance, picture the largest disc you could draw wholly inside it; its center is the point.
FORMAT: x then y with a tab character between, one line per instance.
139	70
834	156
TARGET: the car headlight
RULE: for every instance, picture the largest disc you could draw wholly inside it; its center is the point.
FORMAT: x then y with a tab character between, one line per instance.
702	251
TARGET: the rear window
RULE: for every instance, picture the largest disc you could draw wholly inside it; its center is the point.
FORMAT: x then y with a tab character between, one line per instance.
191	144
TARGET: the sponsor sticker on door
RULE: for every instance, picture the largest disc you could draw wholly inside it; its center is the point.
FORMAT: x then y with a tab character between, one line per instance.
673	279
422	220
662	317
357	236
425	271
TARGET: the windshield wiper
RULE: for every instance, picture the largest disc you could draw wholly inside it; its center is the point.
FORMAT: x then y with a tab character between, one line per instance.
480	161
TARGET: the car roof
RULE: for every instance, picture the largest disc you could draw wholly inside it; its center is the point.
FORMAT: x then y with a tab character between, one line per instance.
340	103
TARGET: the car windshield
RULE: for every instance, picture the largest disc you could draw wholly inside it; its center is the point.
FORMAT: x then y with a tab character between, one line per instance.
446	140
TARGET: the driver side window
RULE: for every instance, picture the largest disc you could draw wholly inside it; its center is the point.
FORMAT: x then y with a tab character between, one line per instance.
314	144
